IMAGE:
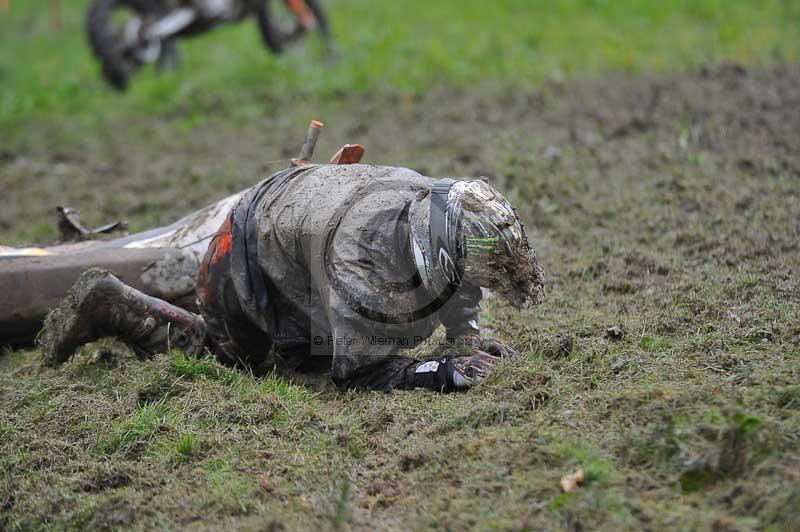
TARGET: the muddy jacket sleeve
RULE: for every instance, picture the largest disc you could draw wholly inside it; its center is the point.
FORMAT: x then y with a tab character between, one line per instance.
365	354
370	289
460	314
368	357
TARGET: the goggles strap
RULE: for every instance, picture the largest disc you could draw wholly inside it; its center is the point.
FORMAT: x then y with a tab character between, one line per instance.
444	257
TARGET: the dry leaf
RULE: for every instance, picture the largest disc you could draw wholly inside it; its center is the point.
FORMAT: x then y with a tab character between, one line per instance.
569	483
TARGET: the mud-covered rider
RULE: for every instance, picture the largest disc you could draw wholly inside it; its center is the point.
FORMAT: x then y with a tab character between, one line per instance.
333	266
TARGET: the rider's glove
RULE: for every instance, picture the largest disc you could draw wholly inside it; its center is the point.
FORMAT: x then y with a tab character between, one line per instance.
453	374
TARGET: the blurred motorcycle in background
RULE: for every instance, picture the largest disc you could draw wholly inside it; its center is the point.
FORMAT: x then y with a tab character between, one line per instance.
125	35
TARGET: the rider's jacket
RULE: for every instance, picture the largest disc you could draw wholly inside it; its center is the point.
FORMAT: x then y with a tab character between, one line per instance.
318	262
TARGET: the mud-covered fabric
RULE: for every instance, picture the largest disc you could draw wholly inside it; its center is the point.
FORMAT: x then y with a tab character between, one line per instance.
248	277
230	334
334	248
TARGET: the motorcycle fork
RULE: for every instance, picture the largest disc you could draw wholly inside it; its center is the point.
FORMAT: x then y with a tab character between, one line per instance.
171	24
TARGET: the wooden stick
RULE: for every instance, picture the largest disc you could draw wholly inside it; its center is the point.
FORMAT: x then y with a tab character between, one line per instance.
307	151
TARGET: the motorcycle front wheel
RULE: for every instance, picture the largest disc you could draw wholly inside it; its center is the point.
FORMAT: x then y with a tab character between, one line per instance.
112	26
281	25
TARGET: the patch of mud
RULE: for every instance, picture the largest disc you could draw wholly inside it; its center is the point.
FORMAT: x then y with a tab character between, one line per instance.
113	514
104	479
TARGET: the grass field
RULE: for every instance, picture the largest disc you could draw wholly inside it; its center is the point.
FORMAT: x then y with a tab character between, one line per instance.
653	152
405	47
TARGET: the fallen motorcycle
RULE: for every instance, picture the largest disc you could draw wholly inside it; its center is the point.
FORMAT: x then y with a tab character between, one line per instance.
161	262
125	35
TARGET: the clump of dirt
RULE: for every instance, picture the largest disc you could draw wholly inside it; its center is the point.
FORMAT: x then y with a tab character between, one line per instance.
410	462
728	451
105	479
556	346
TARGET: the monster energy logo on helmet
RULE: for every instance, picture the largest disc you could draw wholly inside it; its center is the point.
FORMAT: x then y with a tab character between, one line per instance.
476	244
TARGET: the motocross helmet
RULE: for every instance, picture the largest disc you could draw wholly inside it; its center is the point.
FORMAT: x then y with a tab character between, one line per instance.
476	237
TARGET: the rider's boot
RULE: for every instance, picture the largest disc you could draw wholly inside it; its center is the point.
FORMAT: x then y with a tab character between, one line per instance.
100	305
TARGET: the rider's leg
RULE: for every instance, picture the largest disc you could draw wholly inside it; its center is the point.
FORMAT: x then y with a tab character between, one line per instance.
100	305
270	35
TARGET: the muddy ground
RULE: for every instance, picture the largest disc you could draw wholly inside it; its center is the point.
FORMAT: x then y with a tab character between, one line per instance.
666	206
